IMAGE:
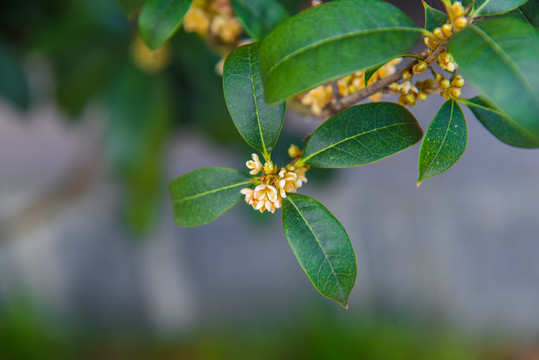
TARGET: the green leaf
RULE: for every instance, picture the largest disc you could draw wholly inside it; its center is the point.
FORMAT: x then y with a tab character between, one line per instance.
205	194
332	40
130	6
321	246
13	83
362	134
531	10
259	17
444	143
160	19
500	125
257	122
494	7
499	57
433	18
518	14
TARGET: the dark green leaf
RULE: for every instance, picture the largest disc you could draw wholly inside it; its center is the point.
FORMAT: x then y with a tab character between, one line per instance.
321	246
499	57
501	125
362	134
433	18
493	7
257	122
140	116
531	10
13	81
160	19
205	194
518	14
259	17
444	143
130	5
330	41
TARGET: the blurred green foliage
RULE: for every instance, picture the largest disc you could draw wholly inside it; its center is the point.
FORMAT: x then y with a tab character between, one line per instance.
314	333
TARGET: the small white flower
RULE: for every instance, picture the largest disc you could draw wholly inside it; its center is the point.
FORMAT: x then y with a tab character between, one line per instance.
255	165
249	195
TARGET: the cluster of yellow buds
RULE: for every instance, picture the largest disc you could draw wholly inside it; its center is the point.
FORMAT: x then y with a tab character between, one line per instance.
408	92
318	98
450	88
388	69
215	18
446	62
458	20
274	184
351	83
149	60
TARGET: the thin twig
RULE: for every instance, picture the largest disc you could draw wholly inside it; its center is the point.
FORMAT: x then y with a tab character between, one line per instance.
380	85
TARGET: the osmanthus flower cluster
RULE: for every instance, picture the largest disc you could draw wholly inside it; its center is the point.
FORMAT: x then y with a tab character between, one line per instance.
372	41
272	185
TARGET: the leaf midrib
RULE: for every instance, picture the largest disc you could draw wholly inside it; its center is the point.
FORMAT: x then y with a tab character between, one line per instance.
443	140
331	39
177	201
508	60
256	104
350	138
320	246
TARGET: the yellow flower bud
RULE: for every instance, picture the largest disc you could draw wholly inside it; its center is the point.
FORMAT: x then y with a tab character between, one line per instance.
402	100
411	99
461	22
294	151
447	30
269	168
456	92
420	67
458	81
446	94
406	75
439	77
445	84
438	33
422	95
457	10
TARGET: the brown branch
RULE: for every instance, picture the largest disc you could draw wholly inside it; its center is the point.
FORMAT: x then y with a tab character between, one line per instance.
380	85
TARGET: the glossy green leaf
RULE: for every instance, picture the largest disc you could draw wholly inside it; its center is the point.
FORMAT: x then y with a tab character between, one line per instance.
531	10
130	5
499	57
434	18
205	194
493	7
160	19
332	40
444	143
321	246
362	134
13	81
259	17
257	122
501	125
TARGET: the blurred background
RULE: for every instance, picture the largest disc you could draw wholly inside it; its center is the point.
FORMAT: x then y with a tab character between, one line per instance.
93	127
